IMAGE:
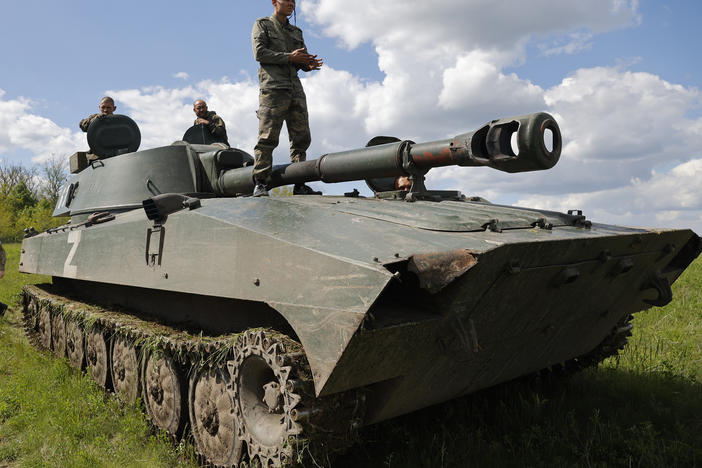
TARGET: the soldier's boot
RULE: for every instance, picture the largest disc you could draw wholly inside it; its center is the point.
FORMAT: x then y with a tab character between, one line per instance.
260	189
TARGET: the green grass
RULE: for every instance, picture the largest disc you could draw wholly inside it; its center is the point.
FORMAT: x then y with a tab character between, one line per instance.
642	408
12	282
52	415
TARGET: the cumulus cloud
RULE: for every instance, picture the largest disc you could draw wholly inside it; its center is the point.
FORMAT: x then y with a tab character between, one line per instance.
631	155
633	116
164	114
181	75
27	133
477	83
671	199
443	60
464	26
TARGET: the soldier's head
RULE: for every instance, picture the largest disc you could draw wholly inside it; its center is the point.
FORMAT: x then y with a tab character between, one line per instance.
200	108
107	106
403	183
283	7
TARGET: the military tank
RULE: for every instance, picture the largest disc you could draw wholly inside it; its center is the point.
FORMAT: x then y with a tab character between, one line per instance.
274	327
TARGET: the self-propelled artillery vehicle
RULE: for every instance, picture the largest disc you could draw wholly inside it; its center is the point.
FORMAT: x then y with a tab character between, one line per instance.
273	323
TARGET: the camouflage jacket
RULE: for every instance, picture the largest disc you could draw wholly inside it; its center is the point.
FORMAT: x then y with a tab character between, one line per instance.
85	123
272	42
216	126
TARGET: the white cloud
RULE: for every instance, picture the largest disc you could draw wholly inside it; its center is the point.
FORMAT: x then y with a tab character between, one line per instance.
464	26
181	75
163	114
476	83
443	60
673	199
631	154
570	44
25	132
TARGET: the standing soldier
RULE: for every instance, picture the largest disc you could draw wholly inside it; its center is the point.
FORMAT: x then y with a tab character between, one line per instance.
279	48
107	107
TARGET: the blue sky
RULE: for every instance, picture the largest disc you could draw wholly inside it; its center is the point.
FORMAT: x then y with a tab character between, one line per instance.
621	76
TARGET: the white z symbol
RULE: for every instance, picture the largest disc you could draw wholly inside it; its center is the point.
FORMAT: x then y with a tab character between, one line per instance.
71	271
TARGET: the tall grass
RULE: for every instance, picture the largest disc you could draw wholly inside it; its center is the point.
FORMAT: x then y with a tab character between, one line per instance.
12	282
52	415
642	408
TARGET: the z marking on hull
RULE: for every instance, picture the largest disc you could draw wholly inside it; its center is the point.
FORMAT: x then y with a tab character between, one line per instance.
71	271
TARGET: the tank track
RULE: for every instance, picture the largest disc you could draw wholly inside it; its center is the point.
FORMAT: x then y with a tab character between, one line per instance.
610	346
242	386
281	399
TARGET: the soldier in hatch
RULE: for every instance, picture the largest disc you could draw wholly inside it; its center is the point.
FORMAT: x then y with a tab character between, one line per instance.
107	107
280	50
211	120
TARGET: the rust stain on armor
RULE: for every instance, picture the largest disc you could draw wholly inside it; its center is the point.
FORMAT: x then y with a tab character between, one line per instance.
437	269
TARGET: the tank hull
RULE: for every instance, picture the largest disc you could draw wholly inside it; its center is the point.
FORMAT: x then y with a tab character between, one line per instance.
370	314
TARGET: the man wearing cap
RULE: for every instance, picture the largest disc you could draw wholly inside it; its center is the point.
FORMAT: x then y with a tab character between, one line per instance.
210	119
107	107
279	48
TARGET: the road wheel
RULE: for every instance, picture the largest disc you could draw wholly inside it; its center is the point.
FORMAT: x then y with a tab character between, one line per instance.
125	369
98	357
45	328
75	345
58	335
163	392
214	426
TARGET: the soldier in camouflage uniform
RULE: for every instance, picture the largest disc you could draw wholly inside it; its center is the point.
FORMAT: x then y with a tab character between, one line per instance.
107	107
211	120
280	50
3	307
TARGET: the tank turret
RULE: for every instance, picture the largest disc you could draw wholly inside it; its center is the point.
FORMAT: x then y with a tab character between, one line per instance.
518	144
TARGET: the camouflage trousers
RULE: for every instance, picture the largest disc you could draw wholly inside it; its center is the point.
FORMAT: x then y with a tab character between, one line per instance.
274	107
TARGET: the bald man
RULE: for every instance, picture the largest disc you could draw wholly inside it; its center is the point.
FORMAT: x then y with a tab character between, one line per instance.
211	120
107	107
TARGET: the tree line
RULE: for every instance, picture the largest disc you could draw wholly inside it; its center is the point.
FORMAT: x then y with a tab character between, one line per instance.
28	195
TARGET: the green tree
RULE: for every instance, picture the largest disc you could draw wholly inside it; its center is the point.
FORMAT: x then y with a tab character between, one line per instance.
37	216
54	172
11	175
21	197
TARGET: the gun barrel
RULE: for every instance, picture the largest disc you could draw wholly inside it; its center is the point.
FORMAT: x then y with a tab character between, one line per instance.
524	143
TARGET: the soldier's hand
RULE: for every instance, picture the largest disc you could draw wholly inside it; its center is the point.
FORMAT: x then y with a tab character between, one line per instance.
202	121
300	56
315	63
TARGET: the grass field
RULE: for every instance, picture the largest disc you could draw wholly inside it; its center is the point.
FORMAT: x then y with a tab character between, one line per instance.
52	415
642	408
